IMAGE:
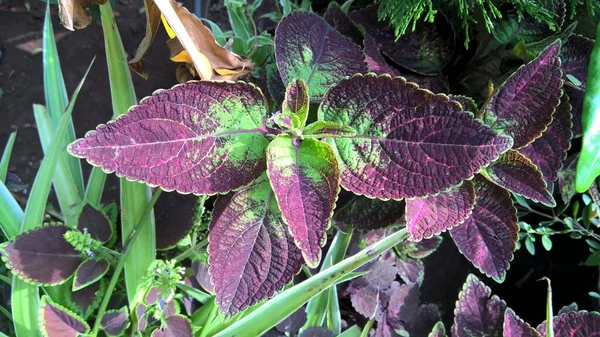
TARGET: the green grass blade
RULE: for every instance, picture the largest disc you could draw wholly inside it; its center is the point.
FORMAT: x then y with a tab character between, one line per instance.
134	196
55	93
6	156
549	313
288	301
11	214
354	331
25	303
330	317
66	191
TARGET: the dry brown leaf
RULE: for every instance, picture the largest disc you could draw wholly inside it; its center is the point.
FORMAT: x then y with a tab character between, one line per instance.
74	14
152	24
214	61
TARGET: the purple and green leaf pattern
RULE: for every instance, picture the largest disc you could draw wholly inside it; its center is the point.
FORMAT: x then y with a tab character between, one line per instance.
308	48
251	253
175	326
42	256
423	248
321	129
520	175
426	50
296	101
409	142
410	270
467	103
524	105
89	272
95	223
115	322
574	324
57	321
439	330
516	327
367	214
86	300
198	137
488	237
575	58
430	216
550	150
477	313
305	178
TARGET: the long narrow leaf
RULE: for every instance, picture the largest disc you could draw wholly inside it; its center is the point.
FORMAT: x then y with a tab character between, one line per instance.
11	214
67	192
134	196
288	301
56	97
6	156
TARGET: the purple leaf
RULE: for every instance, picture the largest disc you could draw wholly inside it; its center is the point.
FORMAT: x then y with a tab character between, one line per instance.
520	175
293	322
550	150
251	253
89	272
574	324
476	313
198	137
384	329
575	58
316	331
202	276
142	321
423	248
568	308
433	215
368	214
308	48
438	330
296	101
410	270
425	50
152	296
86	300
523	106
404	303
369	293
42	256
378	64
96	223
176	326
576	100
566	178
408	142
488	238
305	178
516	327
175	216
467	103
342	23
57	321
424	320
114	322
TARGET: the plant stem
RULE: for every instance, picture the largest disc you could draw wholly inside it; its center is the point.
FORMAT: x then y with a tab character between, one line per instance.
367	328
121	263
190	251
580	228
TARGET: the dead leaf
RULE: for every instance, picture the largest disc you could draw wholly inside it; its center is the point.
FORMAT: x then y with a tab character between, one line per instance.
152	24
74	14
195	44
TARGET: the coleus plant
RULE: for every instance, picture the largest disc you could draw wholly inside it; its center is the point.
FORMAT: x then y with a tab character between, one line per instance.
378	136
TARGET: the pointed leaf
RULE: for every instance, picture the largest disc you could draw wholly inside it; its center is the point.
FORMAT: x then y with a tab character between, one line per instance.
520	175
404	303
433	215
523	106
152	25
574	324
296	101
175	215
488	237
339	20
89	272
42	256
408	142
425	50
86	300
321	129
438	330
477	313
175	326
251	253
305	178
575	57
308	48
550	150
96	223
57	321
423	248
286	121
367	214
198	137
115	322
411	270
293	323
516	327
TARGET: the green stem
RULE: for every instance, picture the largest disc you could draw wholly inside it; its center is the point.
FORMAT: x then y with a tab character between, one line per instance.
119	268
367	328
191	251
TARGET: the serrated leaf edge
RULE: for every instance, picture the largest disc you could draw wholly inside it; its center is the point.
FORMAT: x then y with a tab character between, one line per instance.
123	309
75	288
42	323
